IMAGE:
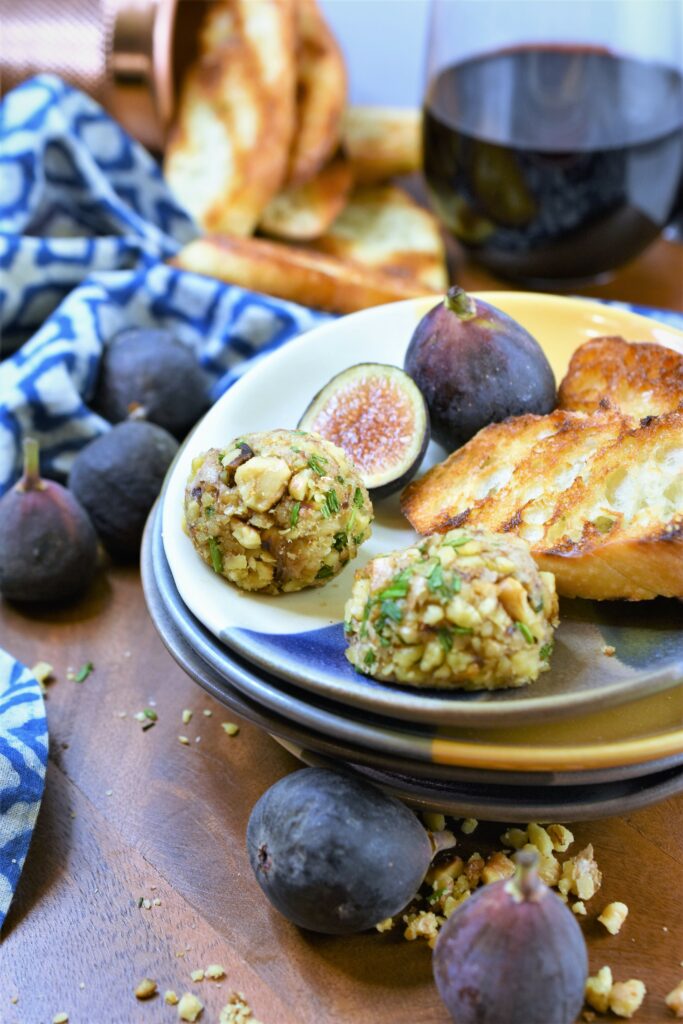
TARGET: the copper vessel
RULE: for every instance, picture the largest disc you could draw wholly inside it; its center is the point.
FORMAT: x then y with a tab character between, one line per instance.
127	54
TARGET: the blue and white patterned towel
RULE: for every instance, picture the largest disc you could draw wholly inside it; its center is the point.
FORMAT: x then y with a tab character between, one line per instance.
23	759
86	222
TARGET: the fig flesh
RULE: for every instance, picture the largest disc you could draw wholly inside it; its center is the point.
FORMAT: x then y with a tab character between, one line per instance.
512	952
379	417
333	853
117	478
48	547
475	365
153	370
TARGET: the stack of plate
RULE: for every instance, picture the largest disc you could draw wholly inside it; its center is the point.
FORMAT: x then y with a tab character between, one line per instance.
595	736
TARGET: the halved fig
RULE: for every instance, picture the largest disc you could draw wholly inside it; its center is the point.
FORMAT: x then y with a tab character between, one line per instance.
378	416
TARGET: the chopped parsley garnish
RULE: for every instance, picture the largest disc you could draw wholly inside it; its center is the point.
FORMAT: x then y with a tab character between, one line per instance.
332	501
436	895
339	479
398	587
83	672
348	626
323	572
295	449
526	632
340	540
352	519
315	463
301	433
294	514
438	585
446	639
150	713
370	658
216	556
462	630
358	500
358	539
390	610
325	510
456	542
545	652
209	511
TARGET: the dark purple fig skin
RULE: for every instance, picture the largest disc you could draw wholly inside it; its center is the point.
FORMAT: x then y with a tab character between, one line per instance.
333	853
521	962
477	371
152	369
117	478
48	547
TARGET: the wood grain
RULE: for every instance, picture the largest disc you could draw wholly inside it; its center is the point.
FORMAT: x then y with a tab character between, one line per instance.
127	810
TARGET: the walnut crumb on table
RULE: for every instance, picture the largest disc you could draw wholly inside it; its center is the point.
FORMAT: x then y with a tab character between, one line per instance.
214	972
613	916
237	1011
609	651
170	997
145	989
674	1000
189	1007
60	1018
626	997
231	728
197	975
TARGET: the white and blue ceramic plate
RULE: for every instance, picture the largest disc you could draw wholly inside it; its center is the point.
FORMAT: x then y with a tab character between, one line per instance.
488	796
645	738
299	637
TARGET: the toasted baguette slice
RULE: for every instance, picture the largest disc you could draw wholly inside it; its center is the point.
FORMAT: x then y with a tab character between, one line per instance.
321	88
299	275
638	378
598	497
303	212
382	142
228	153
383	227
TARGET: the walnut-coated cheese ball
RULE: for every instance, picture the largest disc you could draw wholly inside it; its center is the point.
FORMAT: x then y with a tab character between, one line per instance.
277	511
467	609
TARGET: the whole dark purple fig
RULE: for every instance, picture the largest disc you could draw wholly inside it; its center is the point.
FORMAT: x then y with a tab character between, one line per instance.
48	547
512	952
151	369
335	854
117	478
475	365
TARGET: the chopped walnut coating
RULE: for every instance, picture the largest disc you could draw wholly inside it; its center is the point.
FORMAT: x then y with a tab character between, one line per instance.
497	866
424	924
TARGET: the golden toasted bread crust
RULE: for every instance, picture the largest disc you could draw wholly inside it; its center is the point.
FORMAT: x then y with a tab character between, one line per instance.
638	378
299	275
303	212
321	88
228	153
598	497
382	142
383	227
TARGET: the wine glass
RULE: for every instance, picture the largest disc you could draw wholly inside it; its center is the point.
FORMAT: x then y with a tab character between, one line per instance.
553	131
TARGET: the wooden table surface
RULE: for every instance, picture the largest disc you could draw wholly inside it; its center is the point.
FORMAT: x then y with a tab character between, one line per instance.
129	814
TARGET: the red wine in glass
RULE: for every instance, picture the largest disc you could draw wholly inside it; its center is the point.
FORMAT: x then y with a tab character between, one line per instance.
573	169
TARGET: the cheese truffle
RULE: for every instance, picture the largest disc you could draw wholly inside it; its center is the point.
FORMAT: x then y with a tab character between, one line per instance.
465	609
277	511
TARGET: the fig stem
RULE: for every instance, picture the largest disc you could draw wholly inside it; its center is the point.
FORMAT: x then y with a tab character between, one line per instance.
460	303
526	884
31	481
